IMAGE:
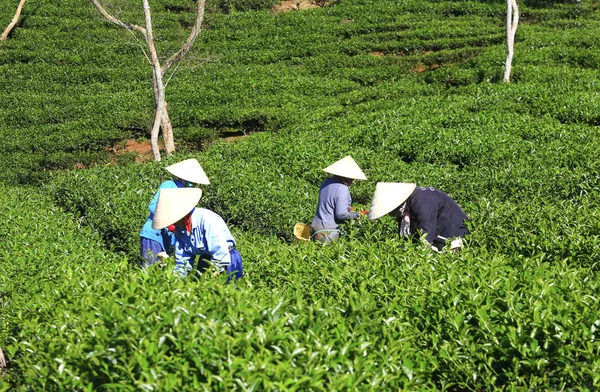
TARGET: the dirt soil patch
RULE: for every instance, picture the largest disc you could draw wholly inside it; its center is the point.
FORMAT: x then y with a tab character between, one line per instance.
234	138
293	5
422	68
143	150
140	148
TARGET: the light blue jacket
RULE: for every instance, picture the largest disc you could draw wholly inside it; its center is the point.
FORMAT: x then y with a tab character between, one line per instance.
333	207
209	237
160	236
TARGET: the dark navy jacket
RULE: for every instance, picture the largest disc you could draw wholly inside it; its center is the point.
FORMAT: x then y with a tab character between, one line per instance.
435	213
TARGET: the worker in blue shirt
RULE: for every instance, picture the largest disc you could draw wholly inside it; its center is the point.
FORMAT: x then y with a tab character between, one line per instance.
155	244
198	232
333	207
427	209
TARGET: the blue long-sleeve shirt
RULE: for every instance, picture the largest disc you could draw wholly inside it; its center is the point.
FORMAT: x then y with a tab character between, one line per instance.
333	206
161	236
437	214
209	237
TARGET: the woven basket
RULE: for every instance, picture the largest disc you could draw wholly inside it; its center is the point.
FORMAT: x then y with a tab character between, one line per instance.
302	232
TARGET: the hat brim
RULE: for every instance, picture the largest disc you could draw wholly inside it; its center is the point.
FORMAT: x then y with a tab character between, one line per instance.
174	204
347	168
389	196
189	170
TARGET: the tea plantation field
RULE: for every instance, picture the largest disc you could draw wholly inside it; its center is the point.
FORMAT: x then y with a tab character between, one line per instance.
411	89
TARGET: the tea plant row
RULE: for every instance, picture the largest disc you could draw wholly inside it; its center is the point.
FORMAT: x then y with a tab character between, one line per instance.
411	90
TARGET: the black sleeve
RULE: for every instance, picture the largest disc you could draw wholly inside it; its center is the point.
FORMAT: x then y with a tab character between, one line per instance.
424	213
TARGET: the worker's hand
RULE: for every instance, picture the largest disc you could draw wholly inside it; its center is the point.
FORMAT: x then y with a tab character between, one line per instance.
162	259
351	209
364	212
456	244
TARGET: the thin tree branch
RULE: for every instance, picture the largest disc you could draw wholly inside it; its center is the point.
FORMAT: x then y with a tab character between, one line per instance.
171	75
201	62
515	21
131	28
116	21
141	46
13	22
157	74
189	42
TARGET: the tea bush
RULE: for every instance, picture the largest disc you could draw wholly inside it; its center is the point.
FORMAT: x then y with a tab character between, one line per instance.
341	316
412	91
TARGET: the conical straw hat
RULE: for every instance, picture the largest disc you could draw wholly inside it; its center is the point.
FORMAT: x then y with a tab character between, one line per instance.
189	170
174	204
346	167
389	195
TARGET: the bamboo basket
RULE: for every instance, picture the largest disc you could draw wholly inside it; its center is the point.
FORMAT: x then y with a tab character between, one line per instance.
302	232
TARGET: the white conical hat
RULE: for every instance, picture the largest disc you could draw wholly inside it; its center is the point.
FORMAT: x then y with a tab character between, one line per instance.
389	195
189	170
346	167
174	204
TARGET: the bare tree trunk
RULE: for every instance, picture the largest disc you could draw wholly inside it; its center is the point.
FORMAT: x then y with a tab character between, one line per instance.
512	21
165	124
161	117
13	22
167	131
160	101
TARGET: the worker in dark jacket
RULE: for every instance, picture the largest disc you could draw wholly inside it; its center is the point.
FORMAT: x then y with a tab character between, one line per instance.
421	208
333	207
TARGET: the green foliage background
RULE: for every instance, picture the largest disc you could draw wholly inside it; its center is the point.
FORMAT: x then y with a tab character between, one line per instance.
411	89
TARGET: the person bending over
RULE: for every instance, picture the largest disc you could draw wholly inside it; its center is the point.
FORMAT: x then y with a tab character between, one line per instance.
421	208
199	233
155	244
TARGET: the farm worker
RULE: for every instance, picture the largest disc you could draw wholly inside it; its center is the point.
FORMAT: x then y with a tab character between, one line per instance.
198	232
333	207
154	244
421	208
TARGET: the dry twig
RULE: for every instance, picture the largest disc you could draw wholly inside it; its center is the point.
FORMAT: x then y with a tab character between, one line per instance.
13	22
2	363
